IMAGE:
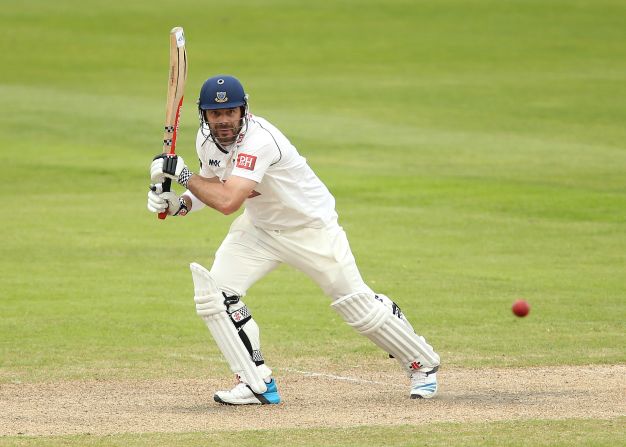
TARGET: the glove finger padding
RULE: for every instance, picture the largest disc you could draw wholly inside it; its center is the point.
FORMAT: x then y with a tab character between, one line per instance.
166	166
156	203
156	171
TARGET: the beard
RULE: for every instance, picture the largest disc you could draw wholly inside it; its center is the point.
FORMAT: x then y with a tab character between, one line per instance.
225	133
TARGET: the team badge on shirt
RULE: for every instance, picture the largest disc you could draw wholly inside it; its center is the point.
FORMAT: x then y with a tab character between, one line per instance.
245	161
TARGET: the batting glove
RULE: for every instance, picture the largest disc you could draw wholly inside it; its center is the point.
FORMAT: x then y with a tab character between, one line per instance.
160	202
169	166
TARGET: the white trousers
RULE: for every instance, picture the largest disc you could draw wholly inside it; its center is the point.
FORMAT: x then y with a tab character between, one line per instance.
248	253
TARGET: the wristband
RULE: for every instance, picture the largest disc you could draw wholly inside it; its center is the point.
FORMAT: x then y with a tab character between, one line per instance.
183	210
184	176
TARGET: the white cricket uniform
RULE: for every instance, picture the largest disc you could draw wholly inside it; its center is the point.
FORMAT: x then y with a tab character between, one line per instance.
289	218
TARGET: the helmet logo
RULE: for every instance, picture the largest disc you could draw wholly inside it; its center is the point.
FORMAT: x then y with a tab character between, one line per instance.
221	97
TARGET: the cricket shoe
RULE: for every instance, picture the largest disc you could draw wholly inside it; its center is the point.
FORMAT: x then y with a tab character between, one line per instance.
242	394
424	383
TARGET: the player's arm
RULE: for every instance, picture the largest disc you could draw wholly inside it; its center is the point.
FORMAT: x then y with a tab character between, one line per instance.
224	197
191	201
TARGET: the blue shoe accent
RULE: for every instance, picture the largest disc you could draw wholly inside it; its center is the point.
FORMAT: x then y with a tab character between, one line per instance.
424	384
428	387
271	396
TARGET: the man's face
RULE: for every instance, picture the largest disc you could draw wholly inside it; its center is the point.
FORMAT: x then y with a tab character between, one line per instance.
225	124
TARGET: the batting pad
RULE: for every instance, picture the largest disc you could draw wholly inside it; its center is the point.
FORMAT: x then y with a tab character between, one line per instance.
210	306
374	320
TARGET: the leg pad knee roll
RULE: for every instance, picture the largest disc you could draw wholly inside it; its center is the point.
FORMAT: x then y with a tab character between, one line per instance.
207	305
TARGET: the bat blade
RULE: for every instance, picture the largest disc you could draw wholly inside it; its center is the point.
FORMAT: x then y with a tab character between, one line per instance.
175	94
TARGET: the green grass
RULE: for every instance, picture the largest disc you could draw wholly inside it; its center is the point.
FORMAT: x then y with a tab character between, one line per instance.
567	433
475	149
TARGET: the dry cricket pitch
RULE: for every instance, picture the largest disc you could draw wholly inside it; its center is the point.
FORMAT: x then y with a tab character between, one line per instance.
348	399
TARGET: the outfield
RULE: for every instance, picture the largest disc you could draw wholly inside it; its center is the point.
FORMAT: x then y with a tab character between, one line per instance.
477	153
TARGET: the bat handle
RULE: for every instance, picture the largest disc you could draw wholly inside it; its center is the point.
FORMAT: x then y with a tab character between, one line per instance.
167	184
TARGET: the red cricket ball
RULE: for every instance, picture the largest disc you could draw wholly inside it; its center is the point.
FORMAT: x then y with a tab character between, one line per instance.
521	308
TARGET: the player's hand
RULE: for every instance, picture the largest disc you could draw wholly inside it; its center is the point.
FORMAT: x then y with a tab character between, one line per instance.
160	202
168	166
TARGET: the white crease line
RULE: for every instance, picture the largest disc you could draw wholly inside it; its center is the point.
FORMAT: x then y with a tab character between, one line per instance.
341	378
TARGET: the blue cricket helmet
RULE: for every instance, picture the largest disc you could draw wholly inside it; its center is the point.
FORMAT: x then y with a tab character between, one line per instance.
222	92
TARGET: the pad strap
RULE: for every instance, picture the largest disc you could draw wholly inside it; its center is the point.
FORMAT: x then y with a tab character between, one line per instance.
240	317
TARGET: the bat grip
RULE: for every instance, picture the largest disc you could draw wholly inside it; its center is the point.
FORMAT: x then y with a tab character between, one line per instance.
167	184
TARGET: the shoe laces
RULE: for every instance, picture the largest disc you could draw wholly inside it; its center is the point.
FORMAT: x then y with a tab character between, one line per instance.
241	390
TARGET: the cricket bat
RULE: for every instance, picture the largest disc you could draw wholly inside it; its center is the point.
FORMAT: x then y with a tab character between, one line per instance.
175	93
